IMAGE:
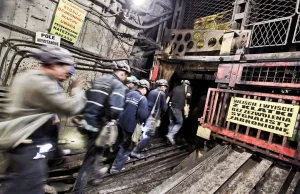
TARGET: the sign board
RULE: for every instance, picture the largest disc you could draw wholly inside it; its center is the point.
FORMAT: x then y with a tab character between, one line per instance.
203	132
68	21
47	39
277	118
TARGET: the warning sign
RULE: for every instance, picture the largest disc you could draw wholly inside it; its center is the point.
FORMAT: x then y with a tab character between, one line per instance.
68	21
277	118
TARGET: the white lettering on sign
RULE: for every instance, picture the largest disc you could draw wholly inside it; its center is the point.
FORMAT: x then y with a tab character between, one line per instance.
47	39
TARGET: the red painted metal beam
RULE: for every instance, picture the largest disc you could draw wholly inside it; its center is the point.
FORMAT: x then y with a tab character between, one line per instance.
269	84
257	142
276	96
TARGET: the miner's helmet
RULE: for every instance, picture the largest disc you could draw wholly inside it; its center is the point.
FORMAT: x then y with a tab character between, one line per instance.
122	66
49	55
144	84
131	79
162	82
187	82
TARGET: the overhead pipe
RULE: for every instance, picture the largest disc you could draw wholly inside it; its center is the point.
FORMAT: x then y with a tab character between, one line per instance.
19	62
11	64
63	44
79	52
135	25
32	34
6	54
34	45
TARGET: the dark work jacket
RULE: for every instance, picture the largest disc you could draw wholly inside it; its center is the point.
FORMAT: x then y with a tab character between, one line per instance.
135	111
178	96
104	100
161	102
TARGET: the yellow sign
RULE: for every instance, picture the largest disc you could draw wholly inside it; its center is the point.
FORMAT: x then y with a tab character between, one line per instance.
68	21
277	118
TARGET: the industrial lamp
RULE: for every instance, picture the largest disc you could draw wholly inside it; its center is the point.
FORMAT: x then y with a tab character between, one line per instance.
138	2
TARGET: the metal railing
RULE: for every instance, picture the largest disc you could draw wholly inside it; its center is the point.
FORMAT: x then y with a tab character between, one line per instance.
214	118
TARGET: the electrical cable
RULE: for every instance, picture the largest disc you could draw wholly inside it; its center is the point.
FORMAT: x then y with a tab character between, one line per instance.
150	25
11	64
105	22
110	29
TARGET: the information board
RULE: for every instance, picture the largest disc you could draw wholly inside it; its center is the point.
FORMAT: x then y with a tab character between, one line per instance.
68	21
277	118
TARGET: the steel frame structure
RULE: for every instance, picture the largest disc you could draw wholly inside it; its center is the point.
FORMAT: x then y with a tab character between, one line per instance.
218	100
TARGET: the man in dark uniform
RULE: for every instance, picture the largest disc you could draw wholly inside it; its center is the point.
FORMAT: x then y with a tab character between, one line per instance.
135	112
155	98
105	101
177	100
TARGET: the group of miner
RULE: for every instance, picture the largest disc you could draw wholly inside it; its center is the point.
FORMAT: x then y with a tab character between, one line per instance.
117	112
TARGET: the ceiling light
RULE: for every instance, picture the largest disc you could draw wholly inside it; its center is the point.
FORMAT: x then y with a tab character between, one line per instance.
139	2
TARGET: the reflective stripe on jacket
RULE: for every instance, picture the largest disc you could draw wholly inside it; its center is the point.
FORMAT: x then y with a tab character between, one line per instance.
135	111
104	100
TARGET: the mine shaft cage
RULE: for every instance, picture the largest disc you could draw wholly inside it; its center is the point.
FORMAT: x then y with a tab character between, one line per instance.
279	75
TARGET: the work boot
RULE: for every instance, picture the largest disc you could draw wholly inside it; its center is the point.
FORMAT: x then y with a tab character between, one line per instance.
100	174
170	139
115	171
66	152
50	190
136	155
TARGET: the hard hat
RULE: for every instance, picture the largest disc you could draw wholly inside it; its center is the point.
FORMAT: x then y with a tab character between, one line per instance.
131	79
186	82
144	84
121	65
162	82
49	55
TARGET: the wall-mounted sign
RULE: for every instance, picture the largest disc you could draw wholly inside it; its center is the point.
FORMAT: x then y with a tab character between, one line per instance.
68	21
277	118
47	39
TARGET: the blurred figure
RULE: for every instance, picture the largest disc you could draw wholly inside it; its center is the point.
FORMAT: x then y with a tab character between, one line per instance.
36	97
104	106
58	152
177	100
156	105
135	111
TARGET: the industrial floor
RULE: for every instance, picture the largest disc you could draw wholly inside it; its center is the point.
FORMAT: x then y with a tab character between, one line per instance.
224	169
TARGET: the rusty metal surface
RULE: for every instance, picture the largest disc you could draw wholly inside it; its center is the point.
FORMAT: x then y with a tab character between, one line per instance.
246	178
242	135
266	57
279	74
189	170
233	172
133	179
194	41
293	183
208	180
272	181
